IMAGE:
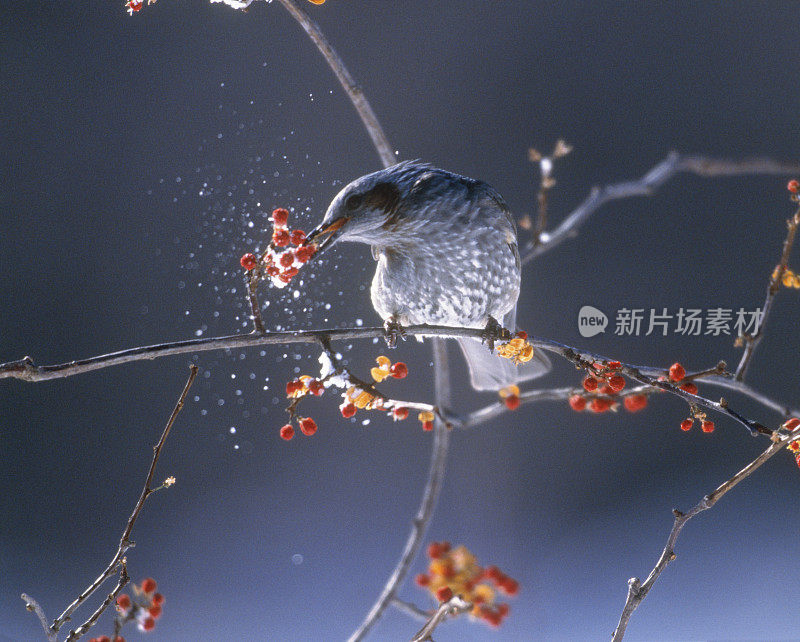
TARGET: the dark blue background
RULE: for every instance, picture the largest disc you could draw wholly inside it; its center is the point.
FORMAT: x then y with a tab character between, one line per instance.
114	126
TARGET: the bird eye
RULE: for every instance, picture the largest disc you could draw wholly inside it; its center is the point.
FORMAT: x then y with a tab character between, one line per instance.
354	202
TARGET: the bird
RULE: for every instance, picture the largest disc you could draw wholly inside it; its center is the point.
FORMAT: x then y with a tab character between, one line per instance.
446	253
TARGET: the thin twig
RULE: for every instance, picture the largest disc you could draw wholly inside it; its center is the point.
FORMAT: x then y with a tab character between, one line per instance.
411	609
453	606
251	282
441	438
110	598
33	605
752	341
638	590
646	185
125	543
353	91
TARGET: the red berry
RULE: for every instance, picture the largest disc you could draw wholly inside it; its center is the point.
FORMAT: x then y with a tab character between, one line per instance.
689	387
502	609
148	585
316	388
634	403
291	272
148	624
305	253
286	260
492	572
793	186
293	386
155	611
509	586
687	424
422	580
280	238
348	410
590	384
797	459
427	425
614	365
445	546
616	383
522	335
707	426
512	402
400	413
158	598
248	261
287	432
577	403
600	404
677	372
119	638
444	593
435	550
280	216
399	370
124	601
298	237
308	426
792	423
104	638
273	270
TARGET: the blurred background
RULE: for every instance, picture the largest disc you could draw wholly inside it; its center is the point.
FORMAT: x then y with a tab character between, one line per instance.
141	157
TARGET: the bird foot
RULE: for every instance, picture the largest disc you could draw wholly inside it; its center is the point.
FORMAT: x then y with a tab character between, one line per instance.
392	329
493	332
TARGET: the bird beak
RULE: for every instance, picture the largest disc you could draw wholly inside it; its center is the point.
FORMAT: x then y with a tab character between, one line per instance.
326	234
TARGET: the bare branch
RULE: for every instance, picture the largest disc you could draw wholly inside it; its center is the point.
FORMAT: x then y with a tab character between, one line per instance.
441	439
411	609
751	342
125	543
647	185
638	590
251	283
453	606
33	605
83	628
353	91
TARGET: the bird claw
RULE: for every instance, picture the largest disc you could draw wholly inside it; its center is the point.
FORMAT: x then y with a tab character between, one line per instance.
392	329
493	332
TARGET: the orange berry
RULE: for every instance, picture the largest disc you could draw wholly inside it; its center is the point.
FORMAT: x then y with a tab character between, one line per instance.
305	253
616	383
427	425
399	370
286	260
422	580
287	432
707	426
797	459
793	186
316	387
509	586
590	384
293	386
308	426
292	271
280	216
512	402
577	403
348	410
148	585
600	404
400	413
689	387
297	237
614	365
444	593
280	238
435	550
522	335
248	261
792	423
677	372
633	403
687	424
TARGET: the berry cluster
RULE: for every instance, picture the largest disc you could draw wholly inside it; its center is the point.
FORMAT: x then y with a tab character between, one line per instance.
133	6
426	418
677	375
518	349
789	279
281	265
604	383
296	390
144	607
356	398
794	187
793	446
455	571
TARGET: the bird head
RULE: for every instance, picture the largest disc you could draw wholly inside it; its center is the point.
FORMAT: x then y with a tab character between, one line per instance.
367	209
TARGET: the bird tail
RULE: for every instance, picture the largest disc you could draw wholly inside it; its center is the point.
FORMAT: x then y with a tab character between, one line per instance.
489	371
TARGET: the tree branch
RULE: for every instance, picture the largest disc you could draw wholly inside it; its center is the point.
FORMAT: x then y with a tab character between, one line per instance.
125	543
645	186
453	606
638	590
